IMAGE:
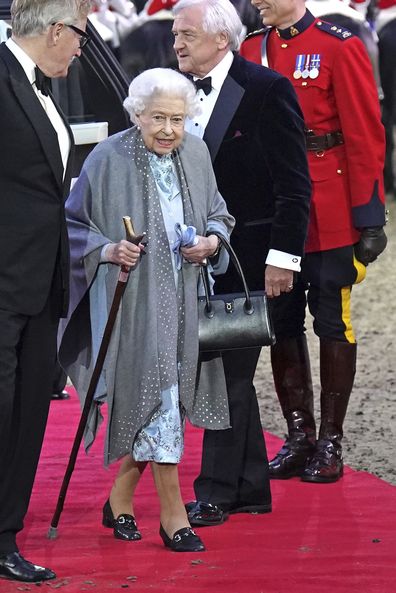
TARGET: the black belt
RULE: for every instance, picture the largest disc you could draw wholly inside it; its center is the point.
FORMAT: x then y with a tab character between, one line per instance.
323	142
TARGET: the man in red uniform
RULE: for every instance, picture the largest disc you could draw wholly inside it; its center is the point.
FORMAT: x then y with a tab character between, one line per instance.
332	75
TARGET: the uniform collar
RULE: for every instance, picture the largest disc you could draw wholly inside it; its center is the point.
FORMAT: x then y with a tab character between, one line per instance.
298	27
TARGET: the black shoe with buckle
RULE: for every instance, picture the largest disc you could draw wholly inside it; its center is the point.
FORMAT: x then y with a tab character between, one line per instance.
204	514
326	465
14	566
124	527
183	540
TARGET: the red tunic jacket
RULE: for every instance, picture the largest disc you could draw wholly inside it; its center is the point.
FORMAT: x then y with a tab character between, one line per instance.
347	179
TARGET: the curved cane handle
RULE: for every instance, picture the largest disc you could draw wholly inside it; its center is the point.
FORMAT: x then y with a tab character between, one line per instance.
131	236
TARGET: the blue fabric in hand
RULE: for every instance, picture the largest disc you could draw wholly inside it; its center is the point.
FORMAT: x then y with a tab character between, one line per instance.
186	237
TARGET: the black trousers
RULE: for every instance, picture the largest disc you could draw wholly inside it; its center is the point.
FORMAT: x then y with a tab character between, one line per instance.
27	356
234	461
329	276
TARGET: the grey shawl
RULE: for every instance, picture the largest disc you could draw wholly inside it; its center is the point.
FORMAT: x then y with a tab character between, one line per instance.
155	339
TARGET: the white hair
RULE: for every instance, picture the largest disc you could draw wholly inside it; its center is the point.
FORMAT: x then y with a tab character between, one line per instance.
219	16
160	81
33	17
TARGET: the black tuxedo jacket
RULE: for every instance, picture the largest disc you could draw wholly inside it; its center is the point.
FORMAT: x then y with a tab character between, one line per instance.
33	237
256	139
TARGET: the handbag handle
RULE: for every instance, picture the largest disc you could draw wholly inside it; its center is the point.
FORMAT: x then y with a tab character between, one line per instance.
248	307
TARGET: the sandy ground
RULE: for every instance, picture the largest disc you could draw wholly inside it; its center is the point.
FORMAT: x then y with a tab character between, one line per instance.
370	425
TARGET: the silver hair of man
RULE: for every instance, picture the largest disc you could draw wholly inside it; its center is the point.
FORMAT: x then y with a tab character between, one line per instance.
219	16
155	82
33	17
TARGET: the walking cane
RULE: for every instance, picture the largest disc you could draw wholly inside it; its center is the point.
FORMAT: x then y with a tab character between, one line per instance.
119	291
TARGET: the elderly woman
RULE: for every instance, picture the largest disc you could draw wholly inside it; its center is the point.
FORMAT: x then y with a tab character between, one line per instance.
151	379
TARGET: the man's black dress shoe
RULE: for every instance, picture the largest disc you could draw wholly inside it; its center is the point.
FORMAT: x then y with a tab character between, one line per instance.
124	527
60	395
183	540
14	566
201	514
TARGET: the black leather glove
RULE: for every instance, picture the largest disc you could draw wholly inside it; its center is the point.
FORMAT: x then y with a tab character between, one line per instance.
372	242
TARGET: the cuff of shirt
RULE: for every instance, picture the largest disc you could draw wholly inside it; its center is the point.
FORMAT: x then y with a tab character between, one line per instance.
284	260
103	258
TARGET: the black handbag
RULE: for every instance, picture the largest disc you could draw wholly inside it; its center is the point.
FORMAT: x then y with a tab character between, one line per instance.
233	321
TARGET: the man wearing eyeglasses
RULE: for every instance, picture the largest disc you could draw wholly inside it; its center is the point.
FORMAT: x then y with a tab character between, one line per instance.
36	146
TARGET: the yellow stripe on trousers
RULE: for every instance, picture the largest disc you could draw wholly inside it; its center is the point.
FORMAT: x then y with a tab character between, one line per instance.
346	300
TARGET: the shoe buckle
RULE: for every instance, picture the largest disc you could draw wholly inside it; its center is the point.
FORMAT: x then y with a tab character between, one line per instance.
177	538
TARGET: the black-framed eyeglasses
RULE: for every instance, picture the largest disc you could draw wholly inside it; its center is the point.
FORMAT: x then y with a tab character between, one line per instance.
84	37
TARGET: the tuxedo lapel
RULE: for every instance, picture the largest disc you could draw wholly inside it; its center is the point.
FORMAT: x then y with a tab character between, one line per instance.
230	96
44	129
34	111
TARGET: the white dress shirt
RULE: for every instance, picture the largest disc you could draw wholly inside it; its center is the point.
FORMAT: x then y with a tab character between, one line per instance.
197	127
218	75
47	103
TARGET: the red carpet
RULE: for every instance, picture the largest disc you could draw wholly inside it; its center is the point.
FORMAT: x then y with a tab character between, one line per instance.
337	538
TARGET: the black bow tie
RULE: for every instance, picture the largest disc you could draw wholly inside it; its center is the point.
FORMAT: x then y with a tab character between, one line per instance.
42	82
205	84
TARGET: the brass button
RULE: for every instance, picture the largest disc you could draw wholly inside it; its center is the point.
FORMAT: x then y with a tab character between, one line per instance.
284	45
339	171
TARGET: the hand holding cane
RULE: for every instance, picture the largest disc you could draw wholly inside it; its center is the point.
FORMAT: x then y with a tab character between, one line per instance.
131	236
119	291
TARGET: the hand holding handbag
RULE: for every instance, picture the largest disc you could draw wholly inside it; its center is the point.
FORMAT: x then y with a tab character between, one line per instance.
233	321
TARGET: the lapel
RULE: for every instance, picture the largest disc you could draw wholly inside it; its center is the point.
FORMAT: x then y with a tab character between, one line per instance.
27	99
230	96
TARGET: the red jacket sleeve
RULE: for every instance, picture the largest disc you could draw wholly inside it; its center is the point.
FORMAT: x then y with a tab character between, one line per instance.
358	109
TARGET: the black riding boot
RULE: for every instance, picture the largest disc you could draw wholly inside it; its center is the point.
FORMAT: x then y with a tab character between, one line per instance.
293	384
337	372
